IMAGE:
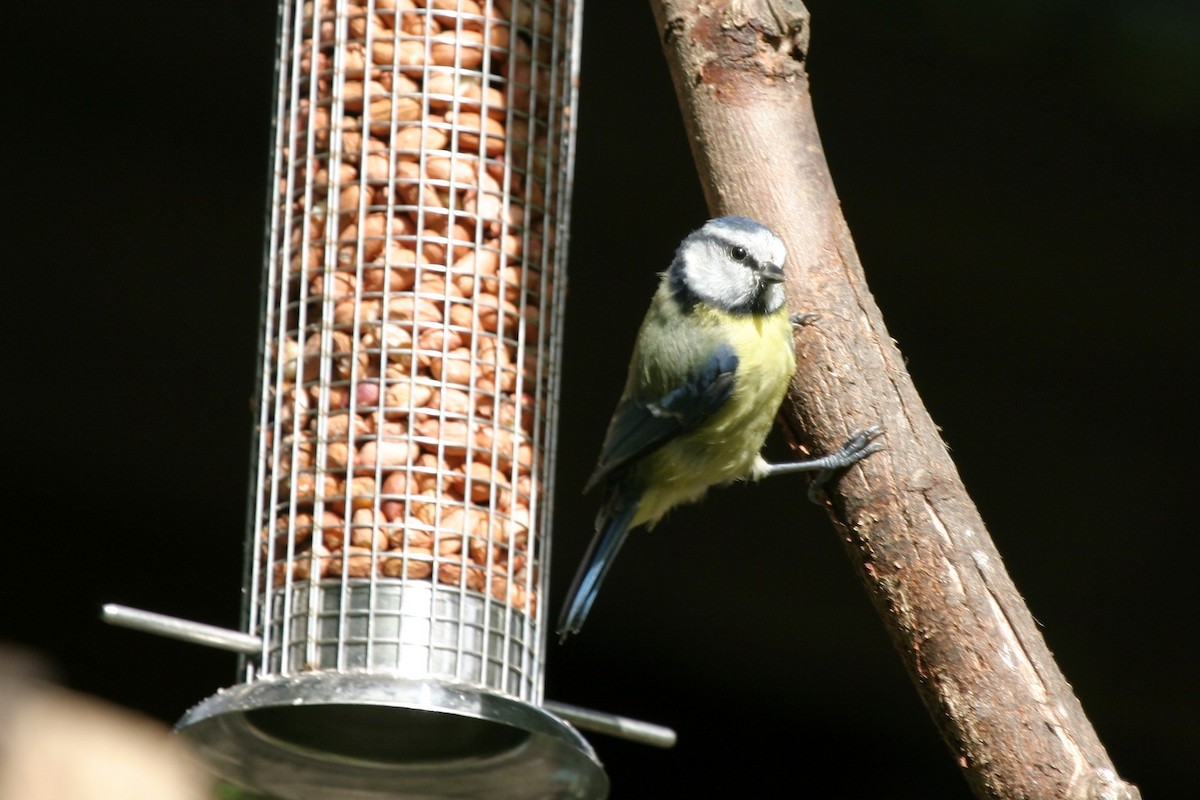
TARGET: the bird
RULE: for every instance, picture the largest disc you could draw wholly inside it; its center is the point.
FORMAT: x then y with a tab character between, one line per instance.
712	361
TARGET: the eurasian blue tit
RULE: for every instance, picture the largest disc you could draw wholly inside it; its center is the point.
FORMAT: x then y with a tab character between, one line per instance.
712	362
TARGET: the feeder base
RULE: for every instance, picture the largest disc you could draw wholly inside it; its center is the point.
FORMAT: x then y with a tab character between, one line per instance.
365	735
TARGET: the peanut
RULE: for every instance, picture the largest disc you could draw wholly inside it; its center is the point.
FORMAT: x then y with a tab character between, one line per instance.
354	562
385	454
404	394
435	341
384	275
306	488
425	136
450	544
471	128
484	481
364	533
462	50
451	572
415	564
455	401
392	492
453	368
362	492
449	435
303	565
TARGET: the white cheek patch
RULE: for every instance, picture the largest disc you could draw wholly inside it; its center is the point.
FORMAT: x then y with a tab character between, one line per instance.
717	279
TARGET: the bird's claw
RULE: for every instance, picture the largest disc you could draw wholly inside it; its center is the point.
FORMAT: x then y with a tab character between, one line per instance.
803	318
860	444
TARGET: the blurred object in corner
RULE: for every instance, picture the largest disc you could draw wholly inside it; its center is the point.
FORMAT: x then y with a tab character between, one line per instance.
60	745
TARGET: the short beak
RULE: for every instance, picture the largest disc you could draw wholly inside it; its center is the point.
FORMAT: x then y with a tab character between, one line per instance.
772	273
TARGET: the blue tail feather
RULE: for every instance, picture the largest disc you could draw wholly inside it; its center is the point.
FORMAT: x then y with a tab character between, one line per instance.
612	526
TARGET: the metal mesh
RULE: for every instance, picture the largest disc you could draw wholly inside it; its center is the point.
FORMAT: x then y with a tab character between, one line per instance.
412	305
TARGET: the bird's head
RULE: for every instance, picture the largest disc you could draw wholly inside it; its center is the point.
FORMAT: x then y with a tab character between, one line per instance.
732	263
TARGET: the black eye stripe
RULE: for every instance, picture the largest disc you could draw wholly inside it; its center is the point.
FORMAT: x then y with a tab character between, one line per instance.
727	245
732	248
747	260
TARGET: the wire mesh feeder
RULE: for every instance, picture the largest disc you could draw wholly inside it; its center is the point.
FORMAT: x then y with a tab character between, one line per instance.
410	304
395	589
393	625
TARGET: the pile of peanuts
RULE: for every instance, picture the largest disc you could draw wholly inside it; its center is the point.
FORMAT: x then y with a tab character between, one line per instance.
413	215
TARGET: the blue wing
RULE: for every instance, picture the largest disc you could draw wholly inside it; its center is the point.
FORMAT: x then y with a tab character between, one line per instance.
641	425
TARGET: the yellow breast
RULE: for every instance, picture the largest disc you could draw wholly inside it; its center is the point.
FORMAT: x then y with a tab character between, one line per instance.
725	447
766	363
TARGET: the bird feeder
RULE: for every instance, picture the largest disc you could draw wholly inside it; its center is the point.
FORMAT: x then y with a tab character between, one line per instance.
394	622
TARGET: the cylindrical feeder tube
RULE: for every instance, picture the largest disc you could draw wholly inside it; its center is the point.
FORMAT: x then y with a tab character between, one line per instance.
408	386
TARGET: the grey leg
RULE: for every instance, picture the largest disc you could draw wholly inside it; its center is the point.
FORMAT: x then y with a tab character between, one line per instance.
860	445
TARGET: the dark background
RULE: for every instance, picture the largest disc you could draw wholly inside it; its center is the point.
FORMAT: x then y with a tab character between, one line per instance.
1020	179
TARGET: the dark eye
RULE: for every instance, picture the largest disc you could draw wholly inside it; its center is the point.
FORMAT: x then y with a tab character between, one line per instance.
738	253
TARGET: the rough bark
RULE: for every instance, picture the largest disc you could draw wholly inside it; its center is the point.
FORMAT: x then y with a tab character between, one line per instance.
966	638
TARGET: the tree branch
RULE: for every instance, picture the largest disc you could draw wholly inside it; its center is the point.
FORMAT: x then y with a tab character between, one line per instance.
966	638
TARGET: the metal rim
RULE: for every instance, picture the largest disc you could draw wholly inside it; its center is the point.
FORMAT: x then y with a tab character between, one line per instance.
360	735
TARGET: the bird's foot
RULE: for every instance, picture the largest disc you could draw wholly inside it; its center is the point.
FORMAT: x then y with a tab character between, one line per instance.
858	446
803	318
